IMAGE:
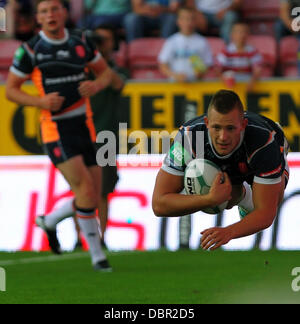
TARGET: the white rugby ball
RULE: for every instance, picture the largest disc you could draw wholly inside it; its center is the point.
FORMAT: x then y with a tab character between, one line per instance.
198	179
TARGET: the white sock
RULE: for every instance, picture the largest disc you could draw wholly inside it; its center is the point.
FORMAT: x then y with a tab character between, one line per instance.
247	202
65	211
90	229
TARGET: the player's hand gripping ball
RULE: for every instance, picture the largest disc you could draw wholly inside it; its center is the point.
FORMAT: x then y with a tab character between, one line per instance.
199	177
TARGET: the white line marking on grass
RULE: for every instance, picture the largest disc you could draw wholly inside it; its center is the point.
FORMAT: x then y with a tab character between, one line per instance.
49	258
64	257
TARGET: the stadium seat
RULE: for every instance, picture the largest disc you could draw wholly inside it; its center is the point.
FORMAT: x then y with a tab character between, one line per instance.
267	46
121	56
260	9
217	45
262	27
288	56
261	15
142	58
143	53
3	75
8	48
76	9
147	74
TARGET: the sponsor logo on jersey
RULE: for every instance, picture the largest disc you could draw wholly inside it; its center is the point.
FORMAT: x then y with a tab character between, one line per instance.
66	79
62	55
20	52
42	57
179	154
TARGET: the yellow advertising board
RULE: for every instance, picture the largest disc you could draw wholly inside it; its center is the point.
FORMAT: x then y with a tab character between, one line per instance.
157	107
19	126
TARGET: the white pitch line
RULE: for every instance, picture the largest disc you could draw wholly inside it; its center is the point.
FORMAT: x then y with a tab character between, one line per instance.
64	257
50	258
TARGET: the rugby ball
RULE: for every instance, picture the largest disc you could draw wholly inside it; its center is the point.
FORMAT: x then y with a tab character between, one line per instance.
198	179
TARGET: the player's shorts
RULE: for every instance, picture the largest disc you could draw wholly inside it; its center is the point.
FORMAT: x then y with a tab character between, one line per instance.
73	137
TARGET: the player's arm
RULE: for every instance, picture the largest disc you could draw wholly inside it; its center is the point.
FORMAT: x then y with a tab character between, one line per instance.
166	70
266	199
118	82
169	202
104	78
15	94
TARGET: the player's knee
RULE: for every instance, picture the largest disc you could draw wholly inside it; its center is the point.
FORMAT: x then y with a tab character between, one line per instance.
86	192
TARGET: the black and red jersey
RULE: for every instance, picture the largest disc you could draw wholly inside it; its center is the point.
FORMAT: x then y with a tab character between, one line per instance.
57	66
259	157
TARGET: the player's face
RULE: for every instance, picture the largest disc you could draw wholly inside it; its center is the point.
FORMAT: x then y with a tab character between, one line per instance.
225	130
51	15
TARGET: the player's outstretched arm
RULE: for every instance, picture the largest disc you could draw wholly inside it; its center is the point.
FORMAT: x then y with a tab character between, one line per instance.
169	202
266	199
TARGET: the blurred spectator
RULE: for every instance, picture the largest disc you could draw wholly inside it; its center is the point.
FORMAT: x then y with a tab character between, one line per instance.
25	5
99	12
186	55
2	16
219	14
239	61
25	23
20	21
283	26
105	105
8	18
149	15
69	23
25	26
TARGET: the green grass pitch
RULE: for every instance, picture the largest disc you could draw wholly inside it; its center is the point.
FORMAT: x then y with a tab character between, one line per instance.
160	277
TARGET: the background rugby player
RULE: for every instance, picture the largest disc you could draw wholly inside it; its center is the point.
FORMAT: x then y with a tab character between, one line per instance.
56	60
